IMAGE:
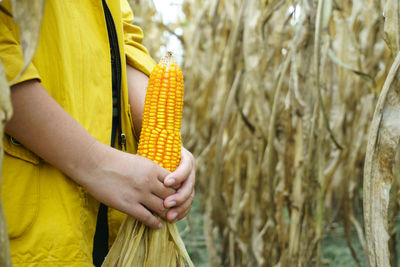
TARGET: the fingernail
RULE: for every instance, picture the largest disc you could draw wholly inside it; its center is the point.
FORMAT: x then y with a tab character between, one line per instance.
159	225
173	215
171	204
170	181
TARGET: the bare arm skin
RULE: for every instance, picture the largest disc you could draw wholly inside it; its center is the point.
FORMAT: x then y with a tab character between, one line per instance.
126	182
183	178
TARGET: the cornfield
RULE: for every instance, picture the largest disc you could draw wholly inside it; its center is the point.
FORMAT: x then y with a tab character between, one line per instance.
287	103
292	110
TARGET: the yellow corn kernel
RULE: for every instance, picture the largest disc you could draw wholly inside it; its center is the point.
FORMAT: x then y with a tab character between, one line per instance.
160	139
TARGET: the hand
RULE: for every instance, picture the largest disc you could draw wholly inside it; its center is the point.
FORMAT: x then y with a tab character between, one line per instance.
123	181
129	183
183	179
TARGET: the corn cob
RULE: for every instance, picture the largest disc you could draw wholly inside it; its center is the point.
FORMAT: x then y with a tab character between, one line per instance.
160	141
160	138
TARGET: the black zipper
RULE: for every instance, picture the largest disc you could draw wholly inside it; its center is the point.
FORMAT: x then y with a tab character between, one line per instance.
116	76
101	236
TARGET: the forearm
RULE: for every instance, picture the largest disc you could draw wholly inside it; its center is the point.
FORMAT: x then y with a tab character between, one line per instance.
123	181
137	86
44	127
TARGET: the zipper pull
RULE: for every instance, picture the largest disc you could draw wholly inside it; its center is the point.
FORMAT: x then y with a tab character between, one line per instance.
123	141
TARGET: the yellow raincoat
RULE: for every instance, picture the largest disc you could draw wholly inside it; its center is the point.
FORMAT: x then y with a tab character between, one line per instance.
51	220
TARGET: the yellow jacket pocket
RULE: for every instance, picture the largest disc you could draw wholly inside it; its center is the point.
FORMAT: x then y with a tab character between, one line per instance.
20	193
14	148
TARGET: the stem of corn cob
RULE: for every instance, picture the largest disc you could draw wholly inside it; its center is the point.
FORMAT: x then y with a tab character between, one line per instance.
160	141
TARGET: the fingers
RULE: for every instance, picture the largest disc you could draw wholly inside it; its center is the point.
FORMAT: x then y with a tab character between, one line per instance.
155	204
178	213
183	194
186	165
157	186
163	191
160	190
160	172
145	216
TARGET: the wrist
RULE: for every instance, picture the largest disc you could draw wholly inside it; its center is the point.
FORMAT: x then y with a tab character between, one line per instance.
83	168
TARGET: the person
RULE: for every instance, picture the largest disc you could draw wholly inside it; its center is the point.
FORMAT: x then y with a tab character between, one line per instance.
70	143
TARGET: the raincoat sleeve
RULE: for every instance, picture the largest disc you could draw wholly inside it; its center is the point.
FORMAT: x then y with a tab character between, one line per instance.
12	59
136	54
11	52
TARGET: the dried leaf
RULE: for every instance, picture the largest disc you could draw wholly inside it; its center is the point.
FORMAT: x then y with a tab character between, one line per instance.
392	25
28	15
5	114
223	38
383	141
326	13
365	76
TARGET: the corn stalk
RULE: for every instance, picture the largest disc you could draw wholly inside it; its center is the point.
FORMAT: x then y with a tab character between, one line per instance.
383	145
282	150
382	149
309	75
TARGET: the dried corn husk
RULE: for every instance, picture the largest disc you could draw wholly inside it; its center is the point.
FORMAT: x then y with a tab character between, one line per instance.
139	245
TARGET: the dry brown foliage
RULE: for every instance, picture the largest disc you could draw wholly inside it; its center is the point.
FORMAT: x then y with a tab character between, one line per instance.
280	97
